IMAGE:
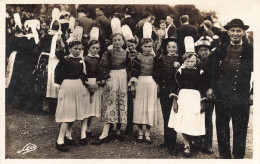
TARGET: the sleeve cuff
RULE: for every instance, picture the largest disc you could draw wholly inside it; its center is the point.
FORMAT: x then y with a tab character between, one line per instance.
133	79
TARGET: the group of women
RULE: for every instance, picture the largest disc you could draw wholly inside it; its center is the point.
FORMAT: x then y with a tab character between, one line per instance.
124	86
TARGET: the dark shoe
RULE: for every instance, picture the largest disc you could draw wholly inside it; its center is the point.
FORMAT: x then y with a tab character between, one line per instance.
186	152
140	140
100	141
70	142
62	147
83	142
90	135
173	150
120	137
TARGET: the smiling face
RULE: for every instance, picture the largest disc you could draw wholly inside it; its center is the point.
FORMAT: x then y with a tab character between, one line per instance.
118	41
236	34
203	52
147	47
76	49
163	26
94	49
131	46
171	48
190	62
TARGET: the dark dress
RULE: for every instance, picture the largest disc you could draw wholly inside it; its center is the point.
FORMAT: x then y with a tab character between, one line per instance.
167	84
20	89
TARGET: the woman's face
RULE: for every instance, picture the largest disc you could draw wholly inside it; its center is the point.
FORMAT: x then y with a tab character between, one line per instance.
131	46
94	49
76	49
191	62
147	48
118	41
163	26
171	48
203	52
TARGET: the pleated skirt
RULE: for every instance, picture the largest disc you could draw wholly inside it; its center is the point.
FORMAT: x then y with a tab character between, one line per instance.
93	109
146	105
71	101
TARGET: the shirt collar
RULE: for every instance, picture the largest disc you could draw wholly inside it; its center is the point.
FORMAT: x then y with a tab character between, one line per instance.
127	16
73	56
93	56
238	43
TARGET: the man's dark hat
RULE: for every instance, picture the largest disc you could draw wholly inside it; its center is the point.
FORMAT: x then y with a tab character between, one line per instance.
236	23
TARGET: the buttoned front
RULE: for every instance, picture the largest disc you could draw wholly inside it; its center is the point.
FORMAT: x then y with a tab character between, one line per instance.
232	67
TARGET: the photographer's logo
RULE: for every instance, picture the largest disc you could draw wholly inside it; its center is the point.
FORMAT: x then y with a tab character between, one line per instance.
27	148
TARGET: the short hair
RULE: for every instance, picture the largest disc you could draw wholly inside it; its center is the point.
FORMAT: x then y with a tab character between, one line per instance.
115	34
162	21
146	40
100	8
92	42
184	18
128	10
146	14
73	43
188	55
132	41
152	17
81	10
170	15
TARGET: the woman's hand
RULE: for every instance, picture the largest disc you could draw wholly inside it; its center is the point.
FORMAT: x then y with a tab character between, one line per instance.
174	96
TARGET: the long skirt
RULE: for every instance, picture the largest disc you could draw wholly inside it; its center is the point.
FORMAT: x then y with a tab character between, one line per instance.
94	108
52	91
114	98
188	119
71	101
146	105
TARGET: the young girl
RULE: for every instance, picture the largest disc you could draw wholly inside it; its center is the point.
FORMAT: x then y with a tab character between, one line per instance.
188	119
93	96
112	73
167	67
146	103
70	76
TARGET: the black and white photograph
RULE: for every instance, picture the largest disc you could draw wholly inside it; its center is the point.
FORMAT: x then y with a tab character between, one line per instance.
107	80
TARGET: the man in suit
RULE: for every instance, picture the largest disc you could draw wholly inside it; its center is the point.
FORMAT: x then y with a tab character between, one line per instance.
86	23
104	24
128	20
171	28
185	30
232	66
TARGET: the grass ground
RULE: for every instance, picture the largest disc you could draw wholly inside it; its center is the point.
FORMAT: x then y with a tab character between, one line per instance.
24	127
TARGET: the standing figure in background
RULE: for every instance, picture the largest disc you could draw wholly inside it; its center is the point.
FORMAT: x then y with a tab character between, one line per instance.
171	30
87	24
185	30
105	26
